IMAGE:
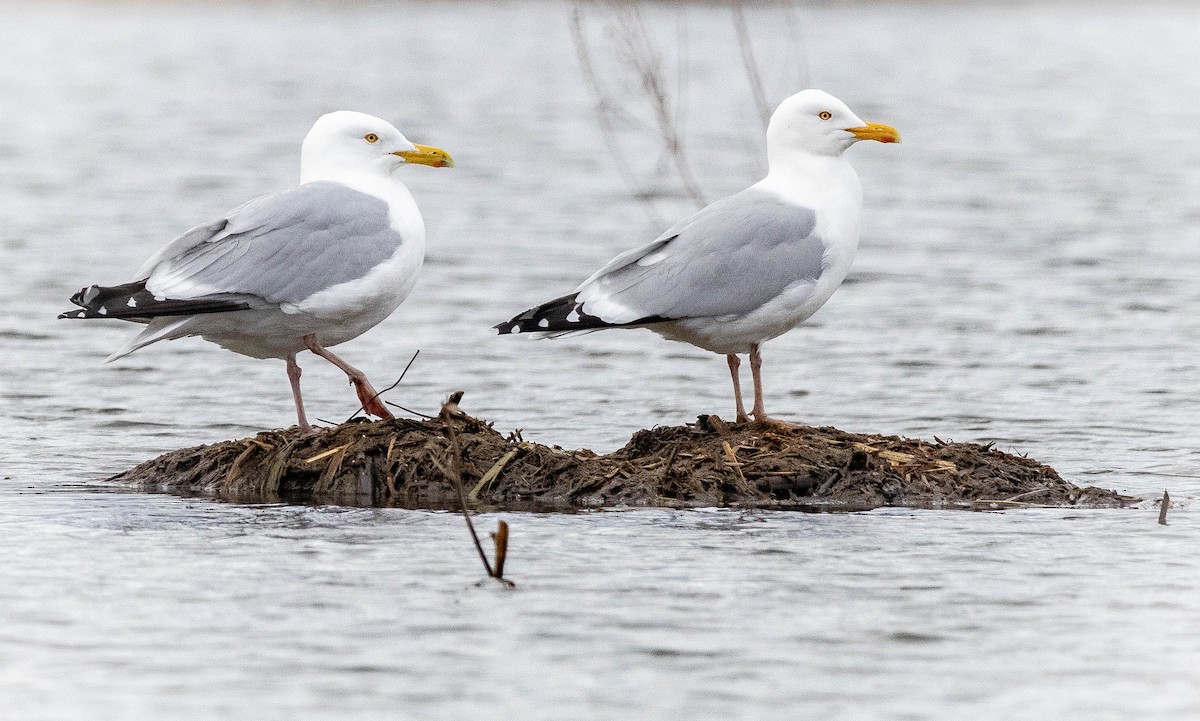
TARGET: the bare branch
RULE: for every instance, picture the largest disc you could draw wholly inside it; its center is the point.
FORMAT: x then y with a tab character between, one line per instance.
640	81
637	51
603	105
752	74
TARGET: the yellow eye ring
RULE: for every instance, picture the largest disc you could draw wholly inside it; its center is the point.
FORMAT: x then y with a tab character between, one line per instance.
824	115
371	138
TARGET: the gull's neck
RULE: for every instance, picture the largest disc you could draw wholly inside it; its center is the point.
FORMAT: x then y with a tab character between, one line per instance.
373	180
812	179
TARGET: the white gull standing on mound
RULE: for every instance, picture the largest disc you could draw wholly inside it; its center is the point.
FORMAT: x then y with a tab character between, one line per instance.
747	268
307	268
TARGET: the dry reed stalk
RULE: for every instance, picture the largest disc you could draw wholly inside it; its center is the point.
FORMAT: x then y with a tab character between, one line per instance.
896	458
500	537
491	474
326	454
232	476
732	461
279	463
1027	494
326	482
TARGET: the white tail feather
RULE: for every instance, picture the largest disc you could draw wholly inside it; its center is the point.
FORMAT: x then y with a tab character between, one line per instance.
158	329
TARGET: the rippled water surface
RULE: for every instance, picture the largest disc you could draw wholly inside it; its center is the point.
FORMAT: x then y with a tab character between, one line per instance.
1027	276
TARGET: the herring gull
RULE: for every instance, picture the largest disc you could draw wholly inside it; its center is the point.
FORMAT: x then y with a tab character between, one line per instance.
307	268
747	268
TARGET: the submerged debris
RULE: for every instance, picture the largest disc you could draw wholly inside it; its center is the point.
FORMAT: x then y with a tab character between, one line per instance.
407	463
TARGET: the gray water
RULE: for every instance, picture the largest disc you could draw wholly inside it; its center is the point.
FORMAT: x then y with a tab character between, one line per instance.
1027	276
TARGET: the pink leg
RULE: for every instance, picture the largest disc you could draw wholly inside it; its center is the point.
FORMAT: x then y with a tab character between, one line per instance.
293	371
734	364
367	394
760	414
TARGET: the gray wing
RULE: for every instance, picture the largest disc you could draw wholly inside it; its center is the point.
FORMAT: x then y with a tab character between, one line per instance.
728	259
282	248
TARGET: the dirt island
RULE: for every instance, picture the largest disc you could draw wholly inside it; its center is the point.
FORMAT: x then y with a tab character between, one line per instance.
408	463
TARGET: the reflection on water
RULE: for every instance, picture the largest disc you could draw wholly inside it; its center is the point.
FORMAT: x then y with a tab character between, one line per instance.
1026	277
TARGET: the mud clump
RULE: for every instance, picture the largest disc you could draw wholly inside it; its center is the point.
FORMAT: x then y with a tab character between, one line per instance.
408	463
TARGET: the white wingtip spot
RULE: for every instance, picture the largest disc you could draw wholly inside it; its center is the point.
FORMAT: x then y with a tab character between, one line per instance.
544	323
160	298
515	329
103	311
132	303
573	316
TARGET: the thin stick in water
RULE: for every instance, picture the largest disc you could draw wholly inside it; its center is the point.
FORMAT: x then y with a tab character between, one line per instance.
1162	508
449	409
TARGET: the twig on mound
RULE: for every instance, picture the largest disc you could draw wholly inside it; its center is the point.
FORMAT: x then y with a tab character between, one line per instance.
450	410
385	390
1163	505
1026	494
409	410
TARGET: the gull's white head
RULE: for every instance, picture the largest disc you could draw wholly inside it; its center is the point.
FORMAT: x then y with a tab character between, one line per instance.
814	122
346	141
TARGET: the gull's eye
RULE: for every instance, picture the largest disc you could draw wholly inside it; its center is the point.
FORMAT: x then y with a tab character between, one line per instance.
371	138
824	115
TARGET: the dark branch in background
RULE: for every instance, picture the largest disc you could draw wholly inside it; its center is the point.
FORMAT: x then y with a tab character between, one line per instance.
646	61
639	54
604	114
639	76
792	19
449	412
752	74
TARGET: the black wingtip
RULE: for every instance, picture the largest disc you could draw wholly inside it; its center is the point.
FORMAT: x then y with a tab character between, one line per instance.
561	315
131	301
564	315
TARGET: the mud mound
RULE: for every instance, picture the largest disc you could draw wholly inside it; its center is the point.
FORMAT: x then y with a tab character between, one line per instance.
409	463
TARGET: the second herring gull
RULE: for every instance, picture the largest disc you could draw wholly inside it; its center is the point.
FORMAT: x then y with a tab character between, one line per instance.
307	268
747	268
